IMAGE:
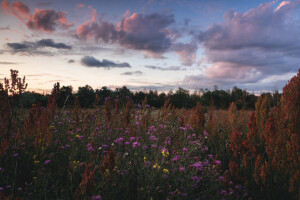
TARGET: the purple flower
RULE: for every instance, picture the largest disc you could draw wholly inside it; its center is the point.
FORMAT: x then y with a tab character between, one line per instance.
182	128
63	147
147	163
188	126
176	158
223	192
145	147
127	143
107	98
152	128
8	187
153	138
221	178
206	163
0	168
181	169
168	141
47	162
196	179
119	140
132	139
238	187
123	172
1	189
20	189
80	137
210	156
205	133
96	197
67	146
184	149
198	165
135	144
138	123
90	147
153	146
218	162
15	155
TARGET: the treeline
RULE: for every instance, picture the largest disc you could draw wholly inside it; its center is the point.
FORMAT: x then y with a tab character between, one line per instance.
88	97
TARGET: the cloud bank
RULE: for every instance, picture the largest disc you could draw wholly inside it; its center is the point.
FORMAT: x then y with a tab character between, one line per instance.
249	47
46	20
90	61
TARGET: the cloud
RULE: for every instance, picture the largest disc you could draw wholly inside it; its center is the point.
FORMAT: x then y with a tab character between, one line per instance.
80	5
151	33
104	31
51	43
172	68
136	73
260	27
33	48
8	63
19	46
18	9
47	20
249	47
138	31
4	28
186	52
146	32
90	61
43	4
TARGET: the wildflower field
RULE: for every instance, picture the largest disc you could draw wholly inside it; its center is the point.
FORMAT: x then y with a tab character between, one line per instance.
138	152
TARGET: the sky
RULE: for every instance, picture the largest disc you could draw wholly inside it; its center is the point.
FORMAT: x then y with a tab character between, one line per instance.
151	44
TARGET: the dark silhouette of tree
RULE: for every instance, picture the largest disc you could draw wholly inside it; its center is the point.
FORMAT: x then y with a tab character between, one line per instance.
86	96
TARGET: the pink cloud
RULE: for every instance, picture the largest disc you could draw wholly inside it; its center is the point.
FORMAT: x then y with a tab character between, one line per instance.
248	46
80	5
127	13
138	31
41	19
282	4
47	20
18	9
94	14
186	52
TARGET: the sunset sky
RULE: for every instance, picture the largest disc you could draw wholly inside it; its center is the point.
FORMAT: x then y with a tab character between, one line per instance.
151	44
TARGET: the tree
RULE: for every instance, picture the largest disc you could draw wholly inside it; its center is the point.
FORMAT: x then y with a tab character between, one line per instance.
86	96
65	96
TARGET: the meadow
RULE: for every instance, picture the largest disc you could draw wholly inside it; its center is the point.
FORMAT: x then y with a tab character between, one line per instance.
135	151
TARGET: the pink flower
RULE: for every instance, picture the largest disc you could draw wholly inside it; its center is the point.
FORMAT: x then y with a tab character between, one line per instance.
136	144
47	162
218	162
